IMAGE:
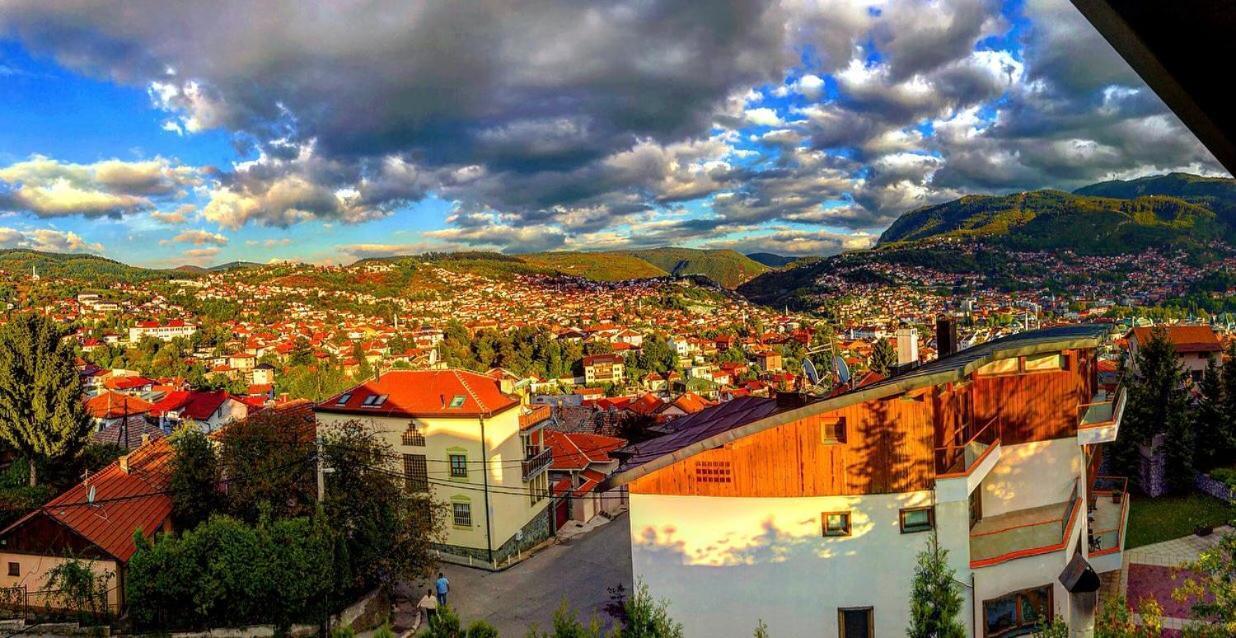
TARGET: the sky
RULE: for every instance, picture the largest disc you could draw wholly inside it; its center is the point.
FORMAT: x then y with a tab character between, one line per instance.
165	133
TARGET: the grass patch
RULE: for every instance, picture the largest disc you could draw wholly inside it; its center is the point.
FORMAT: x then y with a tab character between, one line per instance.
1152	520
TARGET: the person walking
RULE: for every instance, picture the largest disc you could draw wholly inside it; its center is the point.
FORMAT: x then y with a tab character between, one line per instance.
442	585
428	606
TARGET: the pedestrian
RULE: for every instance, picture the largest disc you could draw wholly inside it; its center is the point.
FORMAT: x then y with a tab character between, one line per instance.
443	586
428	605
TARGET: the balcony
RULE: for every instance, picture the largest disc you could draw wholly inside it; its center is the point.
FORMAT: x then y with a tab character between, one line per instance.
1109	517
535	465
1021	533
1099	420
534	416
963	463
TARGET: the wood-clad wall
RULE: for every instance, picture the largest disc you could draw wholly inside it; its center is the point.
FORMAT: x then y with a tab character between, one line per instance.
1036	406
792	460
890	444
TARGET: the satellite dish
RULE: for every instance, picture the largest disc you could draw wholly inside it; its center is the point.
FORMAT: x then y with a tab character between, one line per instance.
810	372
843	370
90	495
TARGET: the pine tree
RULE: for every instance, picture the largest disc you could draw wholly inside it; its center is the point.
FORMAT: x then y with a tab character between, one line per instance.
1209	421
935	599
1158	403
41	411
883	357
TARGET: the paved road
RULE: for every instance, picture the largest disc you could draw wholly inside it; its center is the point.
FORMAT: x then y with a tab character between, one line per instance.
530	592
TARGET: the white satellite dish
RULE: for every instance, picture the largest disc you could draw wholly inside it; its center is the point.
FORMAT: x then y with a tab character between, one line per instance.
810	372
843	370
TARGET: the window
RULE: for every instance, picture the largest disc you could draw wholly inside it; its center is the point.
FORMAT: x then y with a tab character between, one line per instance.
415	473
14	569
457	401
1018	613
343	398
712	471
832	430
1044	362
413	436
836	523
462	513
538	488
459	466
917	519
855	622
1003	366
373	400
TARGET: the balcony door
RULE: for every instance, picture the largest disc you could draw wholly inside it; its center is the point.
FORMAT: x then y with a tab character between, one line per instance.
855	622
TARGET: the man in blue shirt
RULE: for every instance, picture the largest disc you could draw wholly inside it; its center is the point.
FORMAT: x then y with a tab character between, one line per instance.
442	586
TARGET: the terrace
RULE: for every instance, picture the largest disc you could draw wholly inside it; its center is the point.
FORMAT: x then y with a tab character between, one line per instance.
1021	533
1109	516
962	463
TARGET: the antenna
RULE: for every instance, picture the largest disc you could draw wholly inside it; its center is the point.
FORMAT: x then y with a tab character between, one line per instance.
810	372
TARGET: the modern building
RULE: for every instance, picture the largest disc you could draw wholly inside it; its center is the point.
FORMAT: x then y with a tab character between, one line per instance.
460	438
604	368
809	512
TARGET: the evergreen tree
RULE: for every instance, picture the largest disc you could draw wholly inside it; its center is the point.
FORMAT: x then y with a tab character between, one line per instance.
1158	403
41	411
1210	425
883	357
194	477
935	599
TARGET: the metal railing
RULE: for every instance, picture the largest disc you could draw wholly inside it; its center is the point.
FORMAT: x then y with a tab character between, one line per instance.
1069	508
960	455
536	415
535	465
1106	540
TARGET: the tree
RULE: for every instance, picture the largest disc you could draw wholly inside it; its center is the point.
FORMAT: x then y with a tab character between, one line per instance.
77	587
1158	403
385	525
1213	590
883	357
935	598
41	412
268	458
656	355
1210	423
194	477
647	617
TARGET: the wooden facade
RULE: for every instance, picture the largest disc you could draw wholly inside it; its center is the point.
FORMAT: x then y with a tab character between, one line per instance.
887	445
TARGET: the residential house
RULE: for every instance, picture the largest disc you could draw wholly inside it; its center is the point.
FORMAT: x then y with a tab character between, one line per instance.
809	512
460	438
94	521
1194	345
209	410
581	462
164	331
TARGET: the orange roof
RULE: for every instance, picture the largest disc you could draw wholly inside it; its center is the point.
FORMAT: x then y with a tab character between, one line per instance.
576	450
1184	338
114	405
441	393
123	501
690	402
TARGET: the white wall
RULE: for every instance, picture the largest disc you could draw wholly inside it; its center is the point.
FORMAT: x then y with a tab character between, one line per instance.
1031	475
723	563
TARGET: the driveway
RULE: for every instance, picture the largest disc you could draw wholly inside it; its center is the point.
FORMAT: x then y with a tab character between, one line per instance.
579	572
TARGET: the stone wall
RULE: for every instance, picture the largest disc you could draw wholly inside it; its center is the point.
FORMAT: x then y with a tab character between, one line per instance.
1216	488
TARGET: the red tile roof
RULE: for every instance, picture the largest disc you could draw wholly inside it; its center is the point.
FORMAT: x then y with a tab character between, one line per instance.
437	393
114	405
192	404
123	501
1184	338
577	450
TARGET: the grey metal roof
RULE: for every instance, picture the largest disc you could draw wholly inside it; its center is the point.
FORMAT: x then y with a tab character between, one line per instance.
721	424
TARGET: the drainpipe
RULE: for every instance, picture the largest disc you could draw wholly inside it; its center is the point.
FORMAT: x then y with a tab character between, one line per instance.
489	543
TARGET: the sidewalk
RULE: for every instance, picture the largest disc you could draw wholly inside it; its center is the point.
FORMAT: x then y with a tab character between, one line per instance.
1154	571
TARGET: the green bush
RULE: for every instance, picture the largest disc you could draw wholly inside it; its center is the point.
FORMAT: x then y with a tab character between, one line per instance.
1226	475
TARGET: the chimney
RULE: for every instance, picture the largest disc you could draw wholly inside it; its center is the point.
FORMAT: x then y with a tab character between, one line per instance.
946	336
124	463
1082	584
790	399
145	438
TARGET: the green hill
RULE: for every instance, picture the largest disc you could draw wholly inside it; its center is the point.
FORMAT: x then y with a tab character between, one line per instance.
1216	193
1044	220
726	267
772	260
81	266
608	266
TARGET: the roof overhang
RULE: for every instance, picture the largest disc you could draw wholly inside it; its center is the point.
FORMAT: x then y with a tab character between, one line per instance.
1176	48
895	386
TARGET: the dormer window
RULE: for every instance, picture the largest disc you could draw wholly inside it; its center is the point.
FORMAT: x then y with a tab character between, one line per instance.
343	399
457	401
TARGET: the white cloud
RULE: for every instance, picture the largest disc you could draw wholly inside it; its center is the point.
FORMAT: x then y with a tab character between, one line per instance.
47	240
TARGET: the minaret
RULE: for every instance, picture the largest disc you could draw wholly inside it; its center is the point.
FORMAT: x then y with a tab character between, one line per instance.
34	272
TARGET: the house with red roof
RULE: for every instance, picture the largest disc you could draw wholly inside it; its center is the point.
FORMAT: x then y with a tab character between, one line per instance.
210	410
1194	346
463	441
94	521
581	462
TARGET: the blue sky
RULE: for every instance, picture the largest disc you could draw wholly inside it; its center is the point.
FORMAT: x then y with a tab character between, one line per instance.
270	132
